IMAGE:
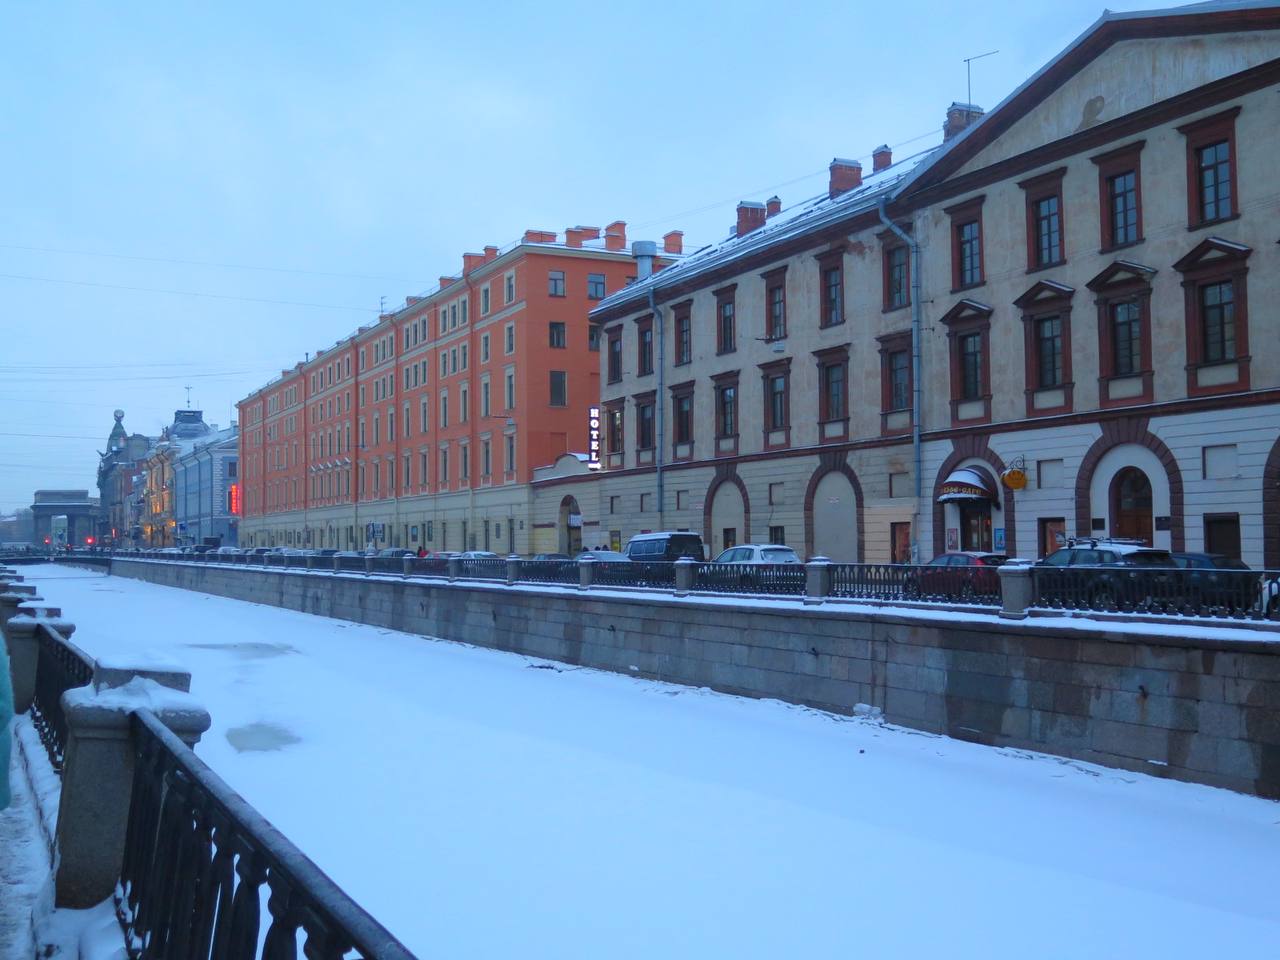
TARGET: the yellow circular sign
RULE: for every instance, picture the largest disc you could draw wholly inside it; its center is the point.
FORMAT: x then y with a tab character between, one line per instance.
1014	478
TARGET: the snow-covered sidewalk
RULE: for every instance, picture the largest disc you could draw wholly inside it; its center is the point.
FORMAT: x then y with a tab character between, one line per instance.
482	804
24	864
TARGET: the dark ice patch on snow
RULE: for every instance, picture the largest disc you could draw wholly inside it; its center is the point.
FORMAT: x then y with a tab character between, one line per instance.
248	650
261	737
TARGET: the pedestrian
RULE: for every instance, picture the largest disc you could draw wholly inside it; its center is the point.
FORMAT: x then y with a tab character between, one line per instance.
6	717
422	552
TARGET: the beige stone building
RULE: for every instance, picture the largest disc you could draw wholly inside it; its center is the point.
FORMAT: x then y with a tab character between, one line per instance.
1090	270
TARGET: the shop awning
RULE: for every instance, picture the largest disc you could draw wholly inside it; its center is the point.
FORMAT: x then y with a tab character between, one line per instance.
966	484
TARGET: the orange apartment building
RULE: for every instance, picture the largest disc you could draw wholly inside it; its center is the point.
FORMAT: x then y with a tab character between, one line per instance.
424	428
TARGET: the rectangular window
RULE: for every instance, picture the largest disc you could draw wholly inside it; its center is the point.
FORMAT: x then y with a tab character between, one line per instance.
1213	164
644	425
511	452
613	429
444	408
1222	534
453	315
896	280
453	360
615	355
423	468
425	416
486	459
377	430
444	364
557	335
464	304
1048	226
684	337
593	338
555	283
683	409
484	398
777	389
464	404
726	332
776	306
444	467
559	388
644	343
509	287
969	245
778	535
832	295
1126	338
463	348
899	380
1122	208
971	366
509	387
727	411
1217	311
509	345
1049	351
595	286
484	300
832	400
484	348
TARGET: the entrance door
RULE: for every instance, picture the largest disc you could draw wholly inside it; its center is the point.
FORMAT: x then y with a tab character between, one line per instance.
1131	505
975	525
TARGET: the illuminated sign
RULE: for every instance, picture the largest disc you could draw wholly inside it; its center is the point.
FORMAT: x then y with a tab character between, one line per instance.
593	438
234	493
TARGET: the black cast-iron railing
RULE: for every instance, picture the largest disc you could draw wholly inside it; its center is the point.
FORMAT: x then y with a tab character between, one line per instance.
632	573
484	568
198	860
916	583
60	666
550	571
778	579
1208	593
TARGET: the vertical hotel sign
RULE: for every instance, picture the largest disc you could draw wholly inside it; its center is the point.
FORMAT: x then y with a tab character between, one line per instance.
593	438
234	497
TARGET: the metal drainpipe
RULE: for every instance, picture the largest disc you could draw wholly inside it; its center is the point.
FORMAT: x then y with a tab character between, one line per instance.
660	459
916	385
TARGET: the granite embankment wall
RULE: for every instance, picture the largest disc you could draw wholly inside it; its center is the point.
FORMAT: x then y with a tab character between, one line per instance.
1197	708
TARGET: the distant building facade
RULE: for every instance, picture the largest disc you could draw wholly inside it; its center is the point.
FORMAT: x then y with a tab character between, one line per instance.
205	479
159	521
119	485
64	517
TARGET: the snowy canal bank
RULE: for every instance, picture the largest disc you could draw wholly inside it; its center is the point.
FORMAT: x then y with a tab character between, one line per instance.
482	804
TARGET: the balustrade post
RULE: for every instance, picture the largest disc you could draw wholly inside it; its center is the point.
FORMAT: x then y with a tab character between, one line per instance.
454	567
586	572
407	565
1015	588
686	575
97	772
368	564
514	564
337	563
21	635
817	580
311	561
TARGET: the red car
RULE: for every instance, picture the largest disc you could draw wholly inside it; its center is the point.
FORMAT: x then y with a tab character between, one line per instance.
956	576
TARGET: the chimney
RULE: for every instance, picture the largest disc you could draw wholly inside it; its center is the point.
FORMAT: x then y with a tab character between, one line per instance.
408	302
881	157
750	216
672	242
590	233
644	251
470	261
490	253
539	236
960	116
845	176
572	237
615	235
445	281
772	207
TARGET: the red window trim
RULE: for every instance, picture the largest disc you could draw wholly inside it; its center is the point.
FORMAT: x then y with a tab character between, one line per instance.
611	334
1123	281
829	260
609	407
890	242
723	294
768	370
721	380
679	391
830	357
1037	188
890	344
639	400
643	323
1039	302
1110	164
968	316
1199	133
773	279
681	311
960	214
1198	270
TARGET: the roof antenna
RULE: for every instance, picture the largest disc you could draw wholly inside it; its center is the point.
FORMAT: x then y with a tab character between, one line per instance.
968	74
382	305
188	389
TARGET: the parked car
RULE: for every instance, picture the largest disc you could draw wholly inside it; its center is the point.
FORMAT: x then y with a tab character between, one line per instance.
397	552
758	553
478	555
605	556
550	556
228	551
260	551
324	552
1113	572
667	547
961	574
1214	580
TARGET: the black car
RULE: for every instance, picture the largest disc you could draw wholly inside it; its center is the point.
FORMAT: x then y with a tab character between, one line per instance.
1107	574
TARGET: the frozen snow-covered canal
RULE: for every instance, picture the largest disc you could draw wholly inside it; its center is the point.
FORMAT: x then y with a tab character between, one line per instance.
481	805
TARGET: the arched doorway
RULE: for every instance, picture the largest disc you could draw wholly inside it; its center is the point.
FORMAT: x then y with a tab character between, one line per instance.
835	518
570	527
1131	505
969	494
728	518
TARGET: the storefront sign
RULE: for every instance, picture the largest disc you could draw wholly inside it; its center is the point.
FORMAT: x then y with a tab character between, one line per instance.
997	539
575	520
235	499
953	538
593	438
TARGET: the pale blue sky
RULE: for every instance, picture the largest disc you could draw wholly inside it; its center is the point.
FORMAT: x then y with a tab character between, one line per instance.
346	152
